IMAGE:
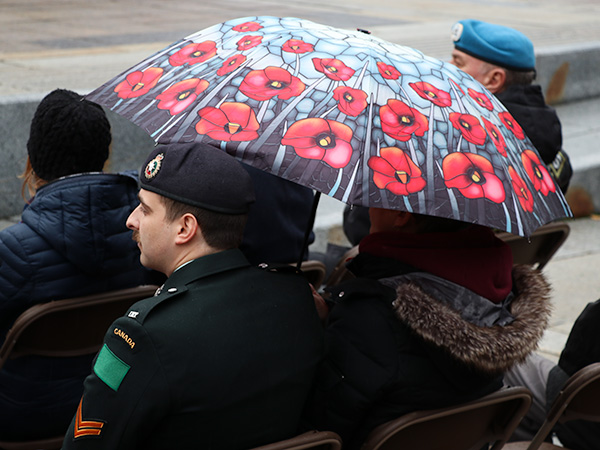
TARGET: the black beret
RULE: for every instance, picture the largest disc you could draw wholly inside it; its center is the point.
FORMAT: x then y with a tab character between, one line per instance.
199	175
68	135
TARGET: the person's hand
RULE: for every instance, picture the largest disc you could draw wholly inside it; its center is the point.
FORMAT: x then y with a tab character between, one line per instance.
320	304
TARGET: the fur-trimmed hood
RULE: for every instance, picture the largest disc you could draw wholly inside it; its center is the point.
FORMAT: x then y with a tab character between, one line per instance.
493	348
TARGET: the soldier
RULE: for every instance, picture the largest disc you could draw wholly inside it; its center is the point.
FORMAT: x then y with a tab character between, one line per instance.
502	59
223	356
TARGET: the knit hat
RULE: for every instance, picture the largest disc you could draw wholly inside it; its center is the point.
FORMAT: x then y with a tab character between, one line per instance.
496	44
199	175
68	135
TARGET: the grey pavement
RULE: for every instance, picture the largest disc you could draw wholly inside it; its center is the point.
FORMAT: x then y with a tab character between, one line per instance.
79	45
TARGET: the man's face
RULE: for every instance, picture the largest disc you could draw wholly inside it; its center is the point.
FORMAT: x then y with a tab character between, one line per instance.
152	232
471	65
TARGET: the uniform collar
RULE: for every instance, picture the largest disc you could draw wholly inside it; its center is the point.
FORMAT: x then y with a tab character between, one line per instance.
206	266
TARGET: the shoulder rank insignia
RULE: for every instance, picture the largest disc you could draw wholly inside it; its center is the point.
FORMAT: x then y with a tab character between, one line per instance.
86	427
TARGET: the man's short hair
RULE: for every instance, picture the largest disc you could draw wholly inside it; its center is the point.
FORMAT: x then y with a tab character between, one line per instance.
513	77
220	231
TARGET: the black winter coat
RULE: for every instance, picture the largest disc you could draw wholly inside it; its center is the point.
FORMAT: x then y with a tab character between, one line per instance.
393	351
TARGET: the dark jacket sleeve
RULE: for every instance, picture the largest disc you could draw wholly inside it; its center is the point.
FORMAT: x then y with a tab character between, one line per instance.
125	396
583	346
361	361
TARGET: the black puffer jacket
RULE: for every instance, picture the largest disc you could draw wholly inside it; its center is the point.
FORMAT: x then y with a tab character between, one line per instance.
394	348
72	240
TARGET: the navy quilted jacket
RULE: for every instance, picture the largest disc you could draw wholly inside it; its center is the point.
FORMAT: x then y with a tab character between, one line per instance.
72	241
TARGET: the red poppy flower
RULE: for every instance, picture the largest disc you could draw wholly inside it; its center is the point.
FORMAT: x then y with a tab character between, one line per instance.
247	26
521	190
510	123
469	127
473	175
333	68
400	121
350	101
431	93
248	42
193	53
387	71
396	172
495	135
231	64
481	99
181	95
297	46
537	172
322	139
271	82
231	122
138	83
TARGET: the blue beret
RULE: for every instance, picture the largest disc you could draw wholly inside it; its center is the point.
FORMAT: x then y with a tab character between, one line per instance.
496	44
199	175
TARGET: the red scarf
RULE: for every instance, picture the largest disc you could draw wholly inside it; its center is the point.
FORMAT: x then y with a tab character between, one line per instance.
473	258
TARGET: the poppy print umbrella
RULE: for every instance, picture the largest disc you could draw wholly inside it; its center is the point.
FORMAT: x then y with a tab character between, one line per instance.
363	120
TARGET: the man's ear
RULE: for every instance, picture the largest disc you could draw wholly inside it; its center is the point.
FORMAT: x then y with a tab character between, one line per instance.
494	80
188	228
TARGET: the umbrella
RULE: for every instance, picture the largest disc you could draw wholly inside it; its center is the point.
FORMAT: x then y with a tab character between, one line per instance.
358	118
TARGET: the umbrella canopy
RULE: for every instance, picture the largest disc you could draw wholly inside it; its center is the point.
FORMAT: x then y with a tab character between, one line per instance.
363	120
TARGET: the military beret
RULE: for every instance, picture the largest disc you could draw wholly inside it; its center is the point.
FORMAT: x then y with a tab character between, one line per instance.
496	44
199	175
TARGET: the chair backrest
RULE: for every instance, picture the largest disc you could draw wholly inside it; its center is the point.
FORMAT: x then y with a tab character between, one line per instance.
469	426
339	272
70	327
54	443
541	245
318	440
579	399
314	271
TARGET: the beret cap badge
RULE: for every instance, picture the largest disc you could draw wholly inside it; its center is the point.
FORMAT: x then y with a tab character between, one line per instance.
153	166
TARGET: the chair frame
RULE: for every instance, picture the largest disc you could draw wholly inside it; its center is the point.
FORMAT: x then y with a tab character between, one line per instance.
538	249
577	400
49	329
314	271
326	440
498	414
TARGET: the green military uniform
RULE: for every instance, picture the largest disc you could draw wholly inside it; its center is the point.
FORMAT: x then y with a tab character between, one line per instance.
222	358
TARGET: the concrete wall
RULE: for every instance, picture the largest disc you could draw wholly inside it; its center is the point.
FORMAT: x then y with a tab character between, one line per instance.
569	73
130	146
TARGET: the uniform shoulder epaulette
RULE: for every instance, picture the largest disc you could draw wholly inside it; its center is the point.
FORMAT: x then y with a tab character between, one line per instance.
279	267
141	309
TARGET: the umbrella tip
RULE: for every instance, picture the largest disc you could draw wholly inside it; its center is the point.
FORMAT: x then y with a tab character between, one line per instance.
362	30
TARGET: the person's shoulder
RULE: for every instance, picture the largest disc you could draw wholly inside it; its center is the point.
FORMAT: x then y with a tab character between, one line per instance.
277	274
144	308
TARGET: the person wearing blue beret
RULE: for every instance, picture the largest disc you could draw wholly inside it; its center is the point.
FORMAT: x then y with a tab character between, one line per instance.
502	59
